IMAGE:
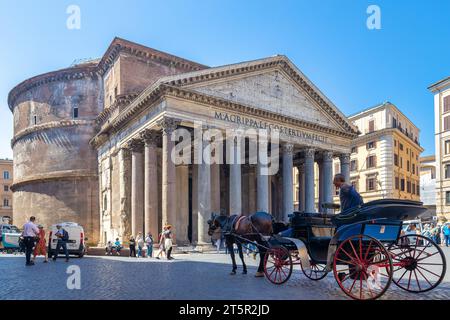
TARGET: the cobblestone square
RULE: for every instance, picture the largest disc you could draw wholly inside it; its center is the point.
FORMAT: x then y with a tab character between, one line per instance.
190	276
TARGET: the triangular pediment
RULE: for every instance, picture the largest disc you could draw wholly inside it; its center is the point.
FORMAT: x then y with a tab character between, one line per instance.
273	85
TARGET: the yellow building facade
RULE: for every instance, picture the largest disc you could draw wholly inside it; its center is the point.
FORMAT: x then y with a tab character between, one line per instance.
6	180
384	159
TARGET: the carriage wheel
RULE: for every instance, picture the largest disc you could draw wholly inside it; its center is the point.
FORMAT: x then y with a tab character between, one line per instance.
278	265
419	263
362	267
316	272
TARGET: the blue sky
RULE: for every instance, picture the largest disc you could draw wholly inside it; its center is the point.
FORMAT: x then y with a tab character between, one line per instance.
328	40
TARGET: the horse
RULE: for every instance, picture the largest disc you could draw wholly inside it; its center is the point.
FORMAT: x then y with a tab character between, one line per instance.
251	228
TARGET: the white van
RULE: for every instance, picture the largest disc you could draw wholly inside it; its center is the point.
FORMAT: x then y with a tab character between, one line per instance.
75	245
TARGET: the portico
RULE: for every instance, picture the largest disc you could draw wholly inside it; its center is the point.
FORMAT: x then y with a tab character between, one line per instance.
268	96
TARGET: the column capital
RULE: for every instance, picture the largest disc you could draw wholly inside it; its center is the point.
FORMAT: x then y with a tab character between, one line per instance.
135	145
344	158
327	156
309	153
288	148
168	125
150	137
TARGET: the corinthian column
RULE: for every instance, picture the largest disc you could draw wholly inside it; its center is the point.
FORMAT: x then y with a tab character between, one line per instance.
203	195
345	166
169	198
235	181
137	186
309	180
151	139
125	192
327	177
288	184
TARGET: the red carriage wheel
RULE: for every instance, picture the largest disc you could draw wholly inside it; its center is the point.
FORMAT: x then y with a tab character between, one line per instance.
362	267
278	265
316	272
419	263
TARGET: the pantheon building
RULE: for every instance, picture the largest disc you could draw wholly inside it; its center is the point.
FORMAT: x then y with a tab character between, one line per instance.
93	143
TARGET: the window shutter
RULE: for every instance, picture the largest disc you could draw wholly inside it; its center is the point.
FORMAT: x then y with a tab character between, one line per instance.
447	123
371	125
446	103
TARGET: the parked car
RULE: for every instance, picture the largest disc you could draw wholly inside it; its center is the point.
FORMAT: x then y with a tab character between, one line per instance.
76	244
9	238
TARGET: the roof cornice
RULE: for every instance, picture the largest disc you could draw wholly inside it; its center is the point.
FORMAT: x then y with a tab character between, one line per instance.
119	45
72	73
164	90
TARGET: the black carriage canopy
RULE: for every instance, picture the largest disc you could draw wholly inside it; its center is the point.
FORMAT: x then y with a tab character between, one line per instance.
391	209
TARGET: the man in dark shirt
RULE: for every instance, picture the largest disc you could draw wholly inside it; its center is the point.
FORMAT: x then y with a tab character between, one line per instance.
348	196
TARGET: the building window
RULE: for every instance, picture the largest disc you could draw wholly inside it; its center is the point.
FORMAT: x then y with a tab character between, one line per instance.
75	112
446	123
447	104
354	165
371	126
447	171
6	188
401	146
396	159
413	168
397	183
408	186
371	162
447	198
34	120
115	92
401	162
371	184
6	175
394	124
371	145
402	185
413	188
354	149
407	165
418	190
5	202
447	147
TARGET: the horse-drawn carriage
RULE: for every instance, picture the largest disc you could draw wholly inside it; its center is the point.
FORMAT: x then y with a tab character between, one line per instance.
364	248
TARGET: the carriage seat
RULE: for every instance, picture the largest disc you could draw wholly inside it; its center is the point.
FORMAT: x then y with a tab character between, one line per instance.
307	218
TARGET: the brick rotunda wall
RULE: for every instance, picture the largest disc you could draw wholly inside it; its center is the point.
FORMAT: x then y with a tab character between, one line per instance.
55	167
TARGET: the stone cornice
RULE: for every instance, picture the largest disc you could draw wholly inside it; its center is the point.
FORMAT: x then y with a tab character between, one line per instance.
119	45
163	90
77	72
50	125
379	133
67	175
121	101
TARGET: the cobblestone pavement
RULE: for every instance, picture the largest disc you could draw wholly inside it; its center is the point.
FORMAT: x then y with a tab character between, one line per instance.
190	276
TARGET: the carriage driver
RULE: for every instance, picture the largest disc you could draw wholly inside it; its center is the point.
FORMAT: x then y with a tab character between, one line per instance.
348	196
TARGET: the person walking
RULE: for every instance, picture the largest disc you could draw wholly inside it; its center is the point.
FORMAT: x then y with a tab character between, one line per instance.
41	245
167	235
140	244
162	249
446	232
63	237
29	234
132	244
149	242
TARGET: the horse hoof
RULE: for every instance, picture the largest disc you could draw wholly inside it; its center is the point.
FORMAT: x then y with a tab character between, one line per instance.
259	275
232	273
244	272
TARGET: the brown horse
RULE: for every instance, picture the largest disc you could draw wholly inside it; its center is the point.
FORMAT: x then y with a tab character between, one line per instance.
248	228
